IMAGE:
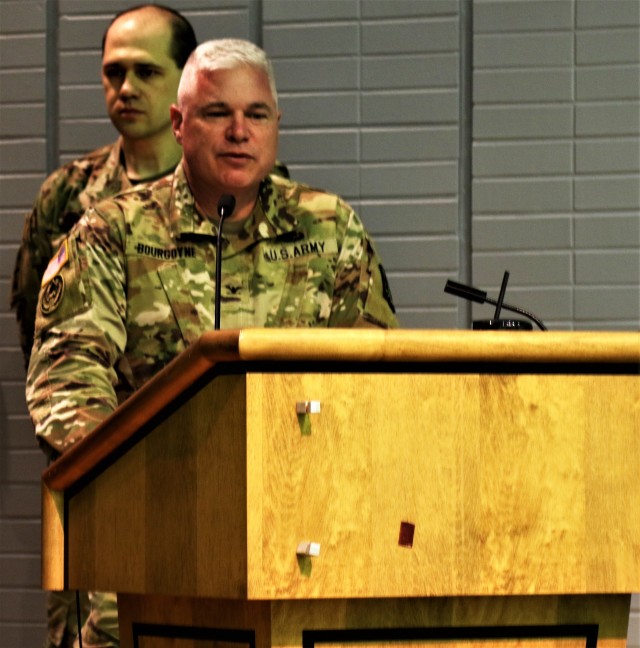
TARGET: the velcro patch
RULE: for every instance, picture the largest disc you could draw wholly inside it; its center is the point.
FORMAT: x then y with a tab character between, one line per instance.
56	263
291	251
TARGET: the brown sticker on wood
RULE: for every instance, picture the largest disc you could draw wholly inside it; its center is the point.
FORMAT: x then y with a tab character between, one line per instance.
406	534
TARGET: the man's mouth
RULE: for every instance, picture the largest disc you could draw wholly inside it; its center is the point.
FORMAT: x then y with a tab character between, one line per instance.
236	156
129	112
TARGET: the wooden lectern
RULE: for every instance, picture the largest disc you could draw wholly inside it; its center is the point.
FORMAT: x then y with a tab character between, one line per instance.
324	488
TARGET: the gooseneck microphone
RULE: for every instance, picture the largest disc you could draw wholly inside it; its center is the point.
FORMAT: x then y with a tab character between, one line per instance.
480	296
226	205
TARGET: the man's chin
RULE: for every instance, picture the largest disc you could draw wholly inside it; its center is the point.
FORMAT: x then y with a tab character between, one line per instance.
244	178
131	129
238	181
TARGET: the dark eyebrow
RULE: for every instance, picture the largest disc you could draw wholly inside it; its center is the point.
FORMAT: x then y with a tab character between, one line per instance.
144	64
137	65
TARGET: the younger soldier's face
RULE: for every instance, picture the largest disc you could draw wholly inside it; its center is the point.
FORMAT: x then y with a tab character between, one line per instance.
139	77
228	128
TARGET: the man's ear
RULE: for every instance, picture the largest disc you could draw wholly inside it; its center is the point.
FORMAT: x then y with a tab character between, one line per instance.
176	122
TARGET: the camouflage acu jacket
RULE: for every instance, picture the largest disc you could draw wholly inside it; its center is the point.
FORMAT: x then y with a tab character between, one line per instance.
62	199
133	285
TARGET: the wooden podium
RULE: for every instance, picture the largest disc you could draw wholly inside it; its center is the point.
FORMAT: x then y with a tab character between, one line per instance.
457	487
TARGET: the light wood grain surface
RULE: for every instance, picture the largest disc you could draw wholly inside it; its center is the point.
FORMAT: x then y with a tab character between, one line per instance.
53	548
516	484
438	345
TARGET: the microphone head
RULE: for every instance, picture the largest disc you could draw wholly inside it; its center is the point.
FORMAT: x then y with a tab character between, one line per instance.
226	205
466	292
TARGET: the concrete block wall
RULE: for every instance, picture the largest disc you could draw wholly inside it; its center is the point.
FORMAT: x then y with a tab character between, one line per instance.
22	166
556	157
472	137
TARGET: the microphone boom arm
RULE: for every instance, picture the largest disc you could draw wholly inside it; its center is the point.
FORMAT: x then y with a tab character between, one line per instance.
480	296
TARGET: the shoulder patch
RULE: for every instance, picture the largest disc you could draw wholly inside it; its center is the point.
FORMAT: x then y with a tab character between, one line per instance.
56	263
52	295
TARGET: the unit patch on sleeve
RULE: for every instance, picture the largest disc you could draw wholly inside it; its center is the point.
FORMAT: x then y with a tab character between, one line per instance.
52	295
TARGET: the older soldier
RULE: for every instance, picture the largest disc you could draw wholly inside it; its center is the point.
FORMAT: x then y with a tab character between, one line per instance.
133	284
143	52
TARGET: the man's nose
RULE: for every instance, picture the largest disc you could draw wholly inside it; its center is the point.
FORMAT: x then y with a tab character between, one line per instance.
237	131
129	87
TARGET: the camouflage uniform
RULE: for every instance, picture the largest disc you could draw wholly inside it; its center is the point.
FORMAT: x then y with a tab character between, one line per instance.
62	199
133	286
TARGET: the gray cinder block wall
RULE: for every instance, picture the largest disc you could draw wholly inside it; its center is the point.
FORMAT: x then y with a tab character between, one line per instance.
556	157
472	137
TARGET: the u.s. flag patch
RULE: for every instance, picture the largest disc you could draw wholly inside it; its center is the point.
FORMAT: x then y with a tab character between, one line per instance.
57	262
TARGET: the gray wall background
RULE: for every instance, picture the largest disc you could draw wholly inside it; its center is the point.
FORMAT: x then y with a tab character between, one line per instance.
473	137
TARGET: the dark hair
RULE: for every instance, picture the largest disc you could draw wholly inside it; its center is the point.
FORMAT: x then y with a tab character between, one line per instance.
183	38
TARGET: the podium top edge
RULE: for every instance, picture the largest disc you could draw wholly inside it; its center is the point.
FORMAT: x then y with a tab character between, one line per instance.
377	345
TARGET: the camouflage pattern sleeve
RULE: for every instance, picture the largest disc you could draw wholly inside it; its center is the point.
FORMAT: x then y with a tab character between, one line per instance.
80	334
361	294
62	199
41	232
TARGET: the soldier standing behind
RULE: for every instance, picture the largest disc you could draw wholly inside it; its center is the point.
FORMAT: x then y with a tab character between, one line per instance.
143	52
133	284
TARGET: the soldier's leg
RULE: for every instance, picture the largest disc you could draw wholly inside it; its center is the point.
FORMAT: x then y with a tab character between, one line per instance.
101	628
62	618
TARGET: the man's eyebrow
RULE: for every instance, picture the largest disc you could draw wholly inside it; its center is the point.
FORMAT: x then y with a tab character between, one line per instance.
135	64
256	105
215	105
147	64
260	105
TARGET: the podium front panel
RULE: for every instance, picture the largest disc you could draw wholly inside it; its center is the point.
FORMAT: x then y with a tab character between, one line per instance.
504	482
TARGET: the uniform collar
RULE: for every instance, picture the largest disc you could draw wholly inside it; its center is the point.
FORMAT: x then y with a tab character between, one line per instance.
112	173
185	218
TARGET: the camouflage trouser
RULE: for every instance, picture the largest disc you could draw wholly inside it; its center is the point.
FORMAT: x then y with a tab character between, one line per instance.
101	629
62	618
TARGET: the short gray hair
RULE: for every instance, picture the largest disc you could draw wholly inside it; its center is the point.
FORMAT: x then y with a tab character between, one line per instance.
225	54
